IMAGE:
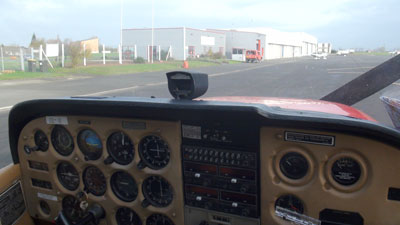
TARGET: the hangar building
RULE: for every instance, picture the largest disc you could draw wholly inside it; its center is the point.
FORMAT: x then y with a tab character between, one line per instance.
180	42
185	43
276	44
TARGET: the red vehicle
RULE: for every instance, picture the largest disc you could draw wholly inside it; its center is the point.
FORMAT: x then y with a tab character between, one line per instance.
255	55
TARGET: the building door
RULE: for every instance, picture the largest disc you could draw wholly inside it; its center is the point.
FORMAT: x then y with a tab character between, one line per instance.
238	54
221	50
192	52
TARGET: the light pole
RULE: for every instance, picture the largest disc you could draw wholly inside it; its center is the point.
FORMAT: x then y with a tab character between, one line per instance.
152	30
122	5
120	41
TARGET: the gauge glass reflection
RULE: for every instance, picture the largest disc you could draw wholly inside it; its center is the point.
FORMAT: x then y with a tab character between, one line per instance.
62	140
293	165
95	181
157	191
346	171
154	151
90	144
158	219
68	176
126	216
121	148
124	186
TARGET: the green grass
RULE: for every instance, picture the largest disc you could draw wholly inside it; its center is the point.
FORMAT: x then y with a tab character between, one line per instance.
371	53
128	68
26	75
106	70
234	62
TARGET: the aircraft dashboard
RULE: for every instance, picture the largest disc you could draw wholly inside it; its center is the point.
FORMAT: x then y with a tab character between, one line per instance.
154	161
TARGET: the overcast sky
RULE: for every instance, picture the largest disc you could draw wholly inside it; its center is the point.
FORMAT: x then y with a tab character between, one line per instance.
344	23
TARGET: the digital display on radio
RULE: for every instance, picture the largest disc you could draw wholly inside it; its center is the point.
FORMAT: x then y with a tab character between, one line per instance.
237	173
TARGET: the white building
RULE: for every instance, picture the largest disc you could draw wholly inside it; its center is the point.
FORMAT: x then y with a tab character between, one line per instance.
324	48
189	42
281	44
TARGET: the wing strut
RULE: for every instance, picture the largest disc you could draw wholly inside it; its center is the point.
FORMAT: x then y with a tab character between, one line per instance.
367	84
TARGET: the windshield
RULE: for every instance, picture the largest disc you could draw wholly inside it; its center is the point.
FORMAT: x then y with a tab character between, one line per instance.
285	49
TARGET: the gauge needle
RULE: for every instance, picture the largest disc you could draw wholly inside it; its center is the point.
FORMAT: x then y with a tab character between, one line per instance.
123	139
156	150
161	189
69	174
131	217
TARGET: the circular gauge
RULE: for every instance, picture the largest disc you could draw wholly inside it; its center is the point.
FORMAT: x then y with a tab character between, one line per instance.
68	176
90	144
290	202
346	171
154	152
157	191
72	209
293	165
41	140
126	216
158	219
94	181
124	186
44	206
120	147
62	140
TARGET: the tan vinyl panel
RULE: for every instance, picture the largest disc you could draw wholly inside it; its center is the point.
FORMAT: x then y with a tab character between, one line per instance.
8	176
104	127
380	170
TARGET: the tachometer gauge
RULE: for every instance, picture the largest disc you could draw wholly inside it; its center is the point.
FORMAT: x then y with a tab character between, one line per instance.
154	152
294	165
158	219
124	186
157	192
120	147
346	171
62	140
72	209
68	176
94	181
126	216
41	140
90	144
290	202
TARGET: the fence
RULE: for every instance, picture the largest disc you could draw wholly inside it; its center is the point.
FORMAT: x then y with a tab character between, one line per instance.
59	55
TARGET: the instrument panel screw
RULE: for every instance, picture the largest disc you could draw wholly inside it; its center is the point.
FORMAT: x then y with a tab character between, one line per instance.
76	158
276	180
279	136
25	138
327	186
173	214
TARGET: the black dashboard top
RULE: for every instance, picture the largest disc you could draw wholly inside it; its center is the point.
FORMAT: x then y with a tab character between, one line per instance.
188	110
